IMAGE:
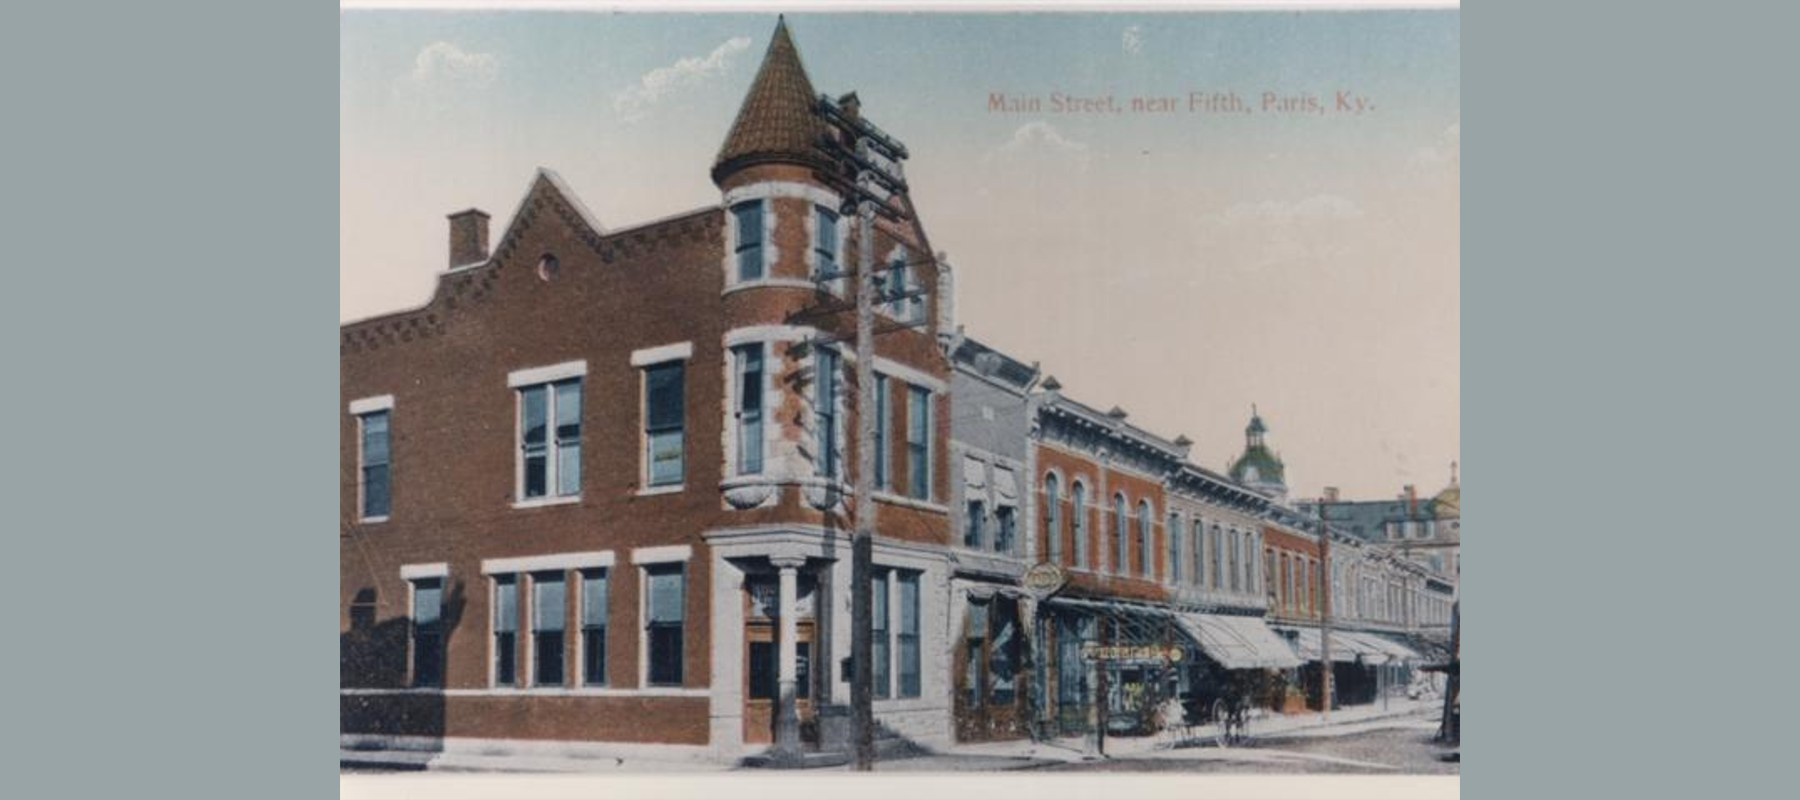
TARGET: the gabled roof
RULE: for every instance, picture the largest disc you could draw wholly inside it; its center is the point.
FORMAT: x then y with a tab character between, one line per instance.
776	123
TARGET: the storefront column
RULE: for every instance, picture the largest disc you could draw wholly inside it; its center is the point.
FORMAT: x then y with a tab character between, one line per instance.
787	719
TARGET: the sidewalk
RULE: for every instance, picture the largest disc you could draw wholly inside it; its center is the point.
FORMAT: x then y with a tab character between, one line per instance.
1343	721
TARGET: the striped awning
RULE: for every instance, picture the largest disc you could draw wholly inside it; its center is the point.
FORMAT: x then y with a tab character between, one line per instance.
1238	642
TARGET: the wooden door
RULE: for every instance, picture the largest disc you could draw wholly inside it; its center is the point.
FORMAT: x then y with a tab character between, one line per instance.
762	681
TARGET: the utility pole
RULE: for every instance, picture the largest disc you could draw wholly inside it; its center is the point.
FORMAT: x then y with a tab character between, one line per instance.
869	171
1324	613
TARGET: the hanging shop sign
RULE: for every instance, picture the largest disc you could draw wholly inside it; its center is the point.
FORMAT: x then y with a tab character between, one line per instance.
1044	579
1131	652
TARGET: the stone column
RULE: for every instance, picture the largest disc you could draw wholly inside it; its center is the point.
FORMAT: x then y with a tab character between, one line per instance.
787	717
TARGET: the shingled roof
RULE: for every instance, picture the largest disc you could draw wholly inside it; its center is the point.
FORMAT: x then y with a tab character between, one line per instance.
776	122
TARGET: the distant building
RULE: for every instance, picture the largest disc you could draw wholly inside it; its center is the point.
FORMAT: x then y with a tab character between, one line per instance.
1259	467
1425	531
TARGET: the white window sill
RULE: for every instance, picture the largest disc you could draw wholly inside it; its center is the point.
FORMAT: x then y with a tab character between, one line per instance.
651	491
908	502
541	502
373	520
770	283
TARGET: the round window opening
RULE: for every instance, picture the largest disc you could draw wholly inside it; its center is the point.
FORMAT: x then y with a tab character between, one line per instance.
547	267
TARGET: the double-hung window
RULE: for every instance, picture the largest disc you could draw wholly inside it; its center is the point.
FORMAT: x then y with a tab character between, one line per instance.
1078	509
548	611
884	430
894	284
918	442
825	242
909	656
1005	528
1218	558
747	361
428	632
1146	539
825	410
376	464
665	413
550	439
506	630
1173	534
747	219
1053	518
1121	539
665	601
594	597
1197	543
882	654
972	523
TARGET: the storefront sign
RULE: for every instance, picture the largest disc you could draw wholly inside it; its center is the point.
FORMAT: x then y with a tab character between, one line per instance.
1044	579
1131	652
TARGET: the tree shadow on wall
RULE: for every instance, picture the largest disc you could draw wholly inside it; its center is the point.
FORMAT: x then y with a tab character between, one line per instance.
373	655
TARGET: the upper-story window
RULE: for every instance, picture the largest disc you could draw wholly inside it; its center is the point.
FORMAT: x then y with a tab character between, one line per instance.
747	366
884	434
918	442
1269	582
1005	527
747	219
376	463
1217	543
974	519
1146	537
1236	554
894	283
825	241
665	414
1053	518
1121	537
1197	576
550	439
1079	517
825	410
1173	534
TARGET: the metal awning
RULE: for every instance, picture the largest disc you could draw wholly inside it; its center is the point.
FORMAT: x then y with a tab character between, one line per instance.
1133	623
1346	646
1400	651
1006	489
1238	642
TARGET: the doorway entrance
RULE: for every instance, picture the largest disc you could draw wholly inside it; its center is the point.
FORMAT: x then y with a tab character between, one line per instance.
991	687
762	666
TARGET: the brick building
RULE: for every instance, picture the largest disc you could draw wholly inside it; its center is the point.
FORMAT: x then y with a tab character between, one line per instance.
595	490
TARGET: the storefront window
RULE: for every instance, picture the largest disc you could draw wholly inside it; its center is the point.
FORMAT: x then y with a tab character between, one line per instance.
1003	660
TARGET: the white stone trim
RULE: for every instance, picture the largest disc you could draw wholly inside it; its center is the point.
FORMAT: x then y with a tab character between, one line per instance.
551	500
788	189
769	333
911	375
410	572
908	502
547	563
547	374
663	554
667	488
649	356
370	405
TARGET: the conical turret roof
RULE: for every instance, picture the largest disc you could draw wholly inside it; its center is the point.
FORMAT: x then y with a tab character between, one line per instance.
776	122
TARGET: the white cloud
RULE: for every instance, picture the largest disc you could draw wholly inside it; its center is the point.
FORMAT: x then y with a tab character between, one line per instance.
1038	137
634	103
445	63
1133	39
1445	152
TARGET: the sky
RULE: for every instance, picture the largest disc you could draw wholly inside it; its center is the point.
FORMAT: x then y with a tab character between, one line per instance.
1181	264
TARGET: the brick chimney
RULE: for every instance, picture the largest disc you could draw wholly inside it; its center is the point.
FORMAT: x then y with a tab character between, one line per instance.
468	237
1412	501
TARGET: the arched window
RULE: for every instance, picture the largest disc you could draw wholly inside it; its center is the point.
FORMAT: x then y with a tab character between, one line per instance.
1218	557
1079	493
1197	549
1121	539
1146	537
1235	555
1173	534
1053	518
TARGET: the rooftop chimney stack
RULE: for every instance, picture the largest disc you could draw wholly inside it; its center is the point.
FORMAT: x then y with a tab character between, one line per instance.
1412	501
1331	494
468	237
